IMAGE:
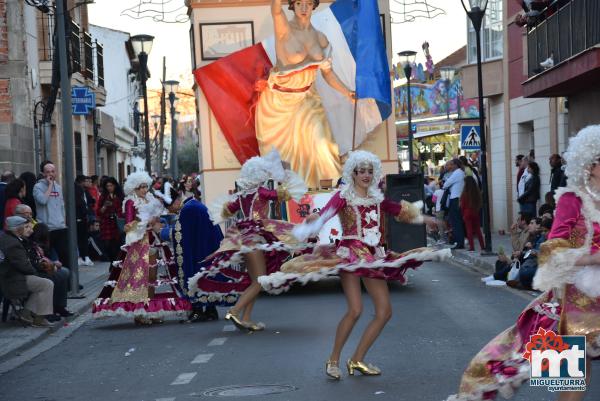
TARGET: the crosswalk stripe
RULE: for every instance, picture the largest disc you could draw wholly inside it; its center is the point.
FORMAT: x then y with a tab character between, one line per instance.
217	341
202	358
229	327
184	378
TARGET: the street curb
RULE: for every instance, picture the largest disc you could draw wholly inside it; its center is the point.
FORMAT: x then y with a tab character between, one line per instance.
466	259
80	306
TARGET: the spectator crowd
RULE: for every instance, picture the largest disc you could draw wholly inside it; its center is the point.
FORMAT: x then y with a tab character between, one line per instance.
456	199
34	266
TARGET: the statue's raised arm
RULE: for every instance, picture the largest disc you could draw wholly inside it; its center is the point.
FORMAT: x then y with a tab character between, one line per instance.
280	22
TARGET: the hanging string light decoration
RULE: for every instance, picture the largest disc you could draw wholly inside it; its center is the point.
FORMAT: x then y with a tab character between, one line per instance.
403	11
167	11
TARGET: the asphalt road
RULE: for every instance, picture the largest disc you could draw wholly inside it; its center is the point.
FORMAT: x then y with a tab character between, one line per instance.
441	319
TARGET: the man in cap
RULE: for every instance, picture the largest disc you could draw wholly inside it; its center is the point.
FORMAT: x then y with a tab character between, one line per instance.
25	211
18	280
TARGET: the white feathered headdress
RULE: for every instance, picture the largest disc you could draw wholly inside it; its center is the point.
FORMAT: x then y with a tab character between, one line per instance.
134	180
257	170
583	151
358	159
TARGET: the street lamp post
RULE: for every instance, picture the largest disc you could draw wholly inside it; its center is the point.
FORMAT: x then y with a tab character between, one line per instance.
142	44
407	57
155	120
171	88
447	74
476	11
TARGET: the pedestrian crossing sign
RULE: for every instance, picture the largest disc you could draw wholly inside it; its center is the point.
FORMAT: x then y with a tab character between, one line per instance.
470	137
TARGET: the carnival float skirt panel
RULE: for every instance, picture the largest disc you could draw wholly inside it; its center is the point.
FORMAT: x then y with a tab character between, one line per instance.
225	277
290	117
133	290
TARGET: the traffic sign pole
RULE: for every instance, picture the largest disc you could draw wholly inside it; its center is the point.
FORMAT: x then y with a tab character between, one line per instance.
67	131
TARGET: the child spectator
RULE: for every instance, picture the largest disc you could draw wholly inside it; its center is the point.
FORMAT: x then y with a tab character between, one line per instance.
520	236
548	206
538	230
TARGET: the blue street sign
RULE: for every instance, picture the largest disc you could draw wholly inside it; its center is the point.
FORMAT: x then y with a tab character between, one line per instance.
470	137
83	100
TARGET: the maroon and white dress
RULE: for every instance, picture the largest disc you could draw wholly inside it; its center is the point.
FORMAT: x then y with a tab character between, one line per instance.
360	250
224	278
127	291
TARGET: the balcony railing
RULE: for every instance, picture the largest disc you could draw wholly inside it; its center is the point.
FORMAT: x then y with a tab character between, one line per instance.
46	33
88	52
75	47
85	55
100	64
563	33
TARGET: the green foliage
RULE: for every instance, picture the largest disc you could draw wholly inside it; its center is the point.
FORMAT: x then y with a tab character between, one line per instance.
188	158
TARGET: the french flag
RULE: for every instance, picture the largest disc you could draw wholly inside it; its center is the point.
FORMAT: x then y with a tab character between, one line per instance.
359	58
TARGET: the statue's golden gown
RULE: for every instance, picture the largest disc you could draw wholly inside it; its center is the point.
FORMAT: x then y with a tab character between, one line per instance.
291	118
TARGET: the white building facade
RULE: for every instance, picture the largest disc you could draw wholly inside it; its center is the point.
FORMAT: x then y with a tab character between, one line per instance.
122	88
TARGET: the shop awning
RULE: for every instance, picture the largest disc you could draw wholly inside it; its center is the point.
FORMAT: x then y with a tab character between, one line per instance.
425	134
433	128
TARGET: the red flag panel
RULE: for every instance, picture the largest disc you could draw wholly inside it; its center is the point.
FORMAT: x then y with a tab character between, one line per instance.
229	87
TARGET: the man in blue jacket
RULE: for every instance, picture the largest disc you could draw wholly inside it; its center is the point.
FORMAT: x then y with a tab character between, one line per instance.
194	238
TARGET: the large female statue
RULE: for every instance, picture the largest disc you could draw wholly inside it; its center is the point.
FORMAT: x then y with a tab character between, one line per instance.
289	113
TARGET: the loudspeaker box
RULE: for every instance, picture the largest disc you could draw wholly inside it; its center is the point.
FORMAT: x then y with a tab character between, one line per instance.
401	237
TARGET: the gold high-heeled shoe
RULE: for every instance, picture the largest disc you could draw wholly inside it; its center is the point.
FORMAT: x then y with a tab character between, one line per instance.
251	326
365	369
235	320
332	369
142	321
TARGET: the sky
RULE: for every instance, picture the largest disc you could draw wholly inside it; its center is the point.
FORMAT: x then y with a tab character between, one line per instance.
445	33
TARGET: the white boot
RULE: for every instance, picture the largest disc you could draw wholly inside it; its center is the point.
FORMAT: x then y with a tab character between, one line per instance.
80	262
88	261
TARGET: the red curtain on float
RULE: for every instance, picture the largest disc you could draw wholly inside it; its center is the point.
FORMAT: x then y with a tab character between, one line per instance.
229	86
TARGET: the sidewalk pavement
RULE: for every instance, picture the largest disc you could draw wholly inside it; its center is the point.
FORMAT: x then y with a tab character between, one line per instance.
485	264
14	338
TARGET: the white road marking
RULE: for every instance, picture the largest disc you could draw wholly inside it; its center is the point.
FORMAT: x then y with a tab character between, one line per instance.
202	358
229	327
166	399
184	378
217	341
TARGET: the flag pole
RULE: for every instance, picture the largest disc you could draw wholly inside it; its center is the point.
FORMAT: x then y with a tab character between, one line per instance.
355	121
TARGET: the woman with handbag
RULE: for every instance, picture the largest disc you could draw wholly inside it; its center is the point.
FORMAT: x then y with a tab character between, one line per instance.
110	215
569	275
